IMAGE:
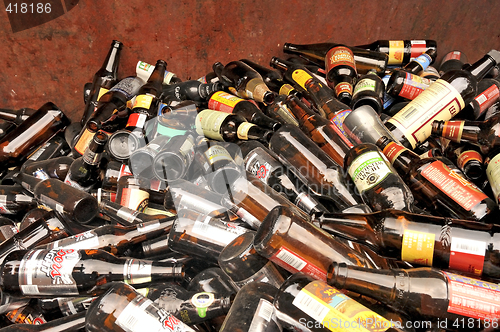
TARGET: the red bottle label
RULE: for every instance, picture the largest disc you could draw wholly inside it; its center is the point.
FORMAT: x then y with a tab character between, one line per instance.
454	55
488	98
413	86
136	120
294	263
467	255
452	130
339	56
473	298
393	150
417	48
223	102
461	190
343	87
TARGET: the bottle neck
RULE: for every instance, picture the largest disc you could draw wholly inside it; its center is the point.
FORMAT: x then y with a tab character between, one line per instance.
113	58
480	68
400	157
458	131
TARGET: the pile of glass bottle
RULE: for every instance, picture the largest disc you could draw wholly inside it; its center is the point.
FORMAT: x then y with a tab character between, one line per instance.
332	191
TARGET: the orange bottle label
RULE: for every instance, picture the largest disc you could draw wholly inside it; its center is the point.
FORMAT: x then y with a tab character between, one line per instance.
393	150
455	186
467	255
343	87
339	56
452	130
467	156
396	52
418	247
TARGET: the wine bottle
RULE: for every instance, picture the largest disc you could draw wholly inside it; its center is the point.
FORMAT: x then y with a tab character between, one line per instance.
103	80
401	51
446	97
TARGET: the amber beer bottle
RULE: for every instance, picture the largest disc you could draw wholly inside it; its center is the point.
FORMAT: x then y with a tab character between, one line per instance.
244	81
104	79
452	61
401	51
439	185
55	272
441	101
425	292
365	59
369	90
272	78
50	168
17	145
376	180
341	72
191	90
406	85
122	309
13	200
460	245
65	324
307	304
468	159
482	133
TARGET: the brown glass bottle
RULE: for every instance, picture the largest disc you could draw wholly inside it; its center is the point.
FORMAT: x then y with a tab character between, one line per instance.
174	157
461	245
74	203
487	95
438	185
279	111
365	59
441	101
401	51
272	78
453	60
341	72
65	324
468	159
406	85
28	314
190	90
244	81
7	229
16	116
17	145
126	216
13	200
323	177
50	168
426	293
312	305
131	193
482	133
369	90
123	309
104	79
420	63
377	181
56	272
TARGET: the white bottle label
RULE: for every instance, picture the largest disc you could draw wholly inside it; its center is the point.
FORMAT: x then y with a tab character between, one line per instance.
440	101
368	170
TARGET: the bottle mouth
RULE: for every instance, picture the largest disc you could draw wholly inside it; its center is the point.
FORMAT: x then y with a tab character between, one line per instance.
269	97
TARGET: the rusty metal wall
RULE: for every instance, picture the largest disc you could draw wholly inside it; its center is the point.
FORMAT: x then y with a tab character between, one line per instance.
52	61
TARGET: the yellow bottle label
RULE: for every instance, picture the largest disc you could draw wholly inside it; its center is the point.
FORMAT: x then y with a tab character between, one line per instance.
243	130
101	92
336	311
301	77
396	52
208	123
418	247
493	174
286	89
143	101
84	141
223	101
440	101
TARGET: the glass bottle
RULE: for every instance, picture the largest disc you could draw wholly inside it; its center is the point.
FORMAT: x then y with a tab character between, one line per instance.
229	103
401	51
50	168
13	200
144	71
438	184
174	158
323	177
122	309
341	72
28	314
244	265
481	133
369	90
131	193
65	306
453	60
365	59
212	280
446	97
103	80
7	229
48	273
305	304
468	159
17	145
406	85
55	147
376	180
492	163
65	324
280	112
74	203
191	90
114	171
426	293
16	116
420	63
272	78
252	310
487	96
243	81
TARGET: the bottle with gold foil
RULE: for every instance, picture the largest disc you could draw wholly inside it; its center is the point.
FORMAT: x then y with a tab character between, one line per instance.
244	81
377	181
306	304
439	185
104	79
272	78
341	72
441	101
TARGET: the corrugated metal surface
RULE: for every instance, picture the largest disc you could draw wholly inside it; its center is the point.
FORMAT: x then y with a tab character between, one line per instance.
51	62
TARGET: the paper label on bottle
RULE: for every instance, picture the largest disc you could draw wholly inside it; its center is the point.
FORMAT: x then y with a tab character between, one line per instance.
413	86
137	271
38	152
418	47
223	102
368	170
336	311
208	123
424	60
472	297
51	203
467	156
142	315
216	153
467	255
292	262
201	301
417	247
393	150
301	77
488	98
452	130
262	316
136	120
440	101
493	175
396	52
48	272
454	55
243	130
285	89
455	186
85	240
143	101
343	87
365	84
84	141
260	168
8	231
135	199
217	232
102	91
338	120
339	56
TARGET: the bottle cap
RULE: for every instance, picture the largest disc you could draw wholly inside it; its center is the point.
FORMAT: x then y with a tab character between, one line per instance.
363	125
